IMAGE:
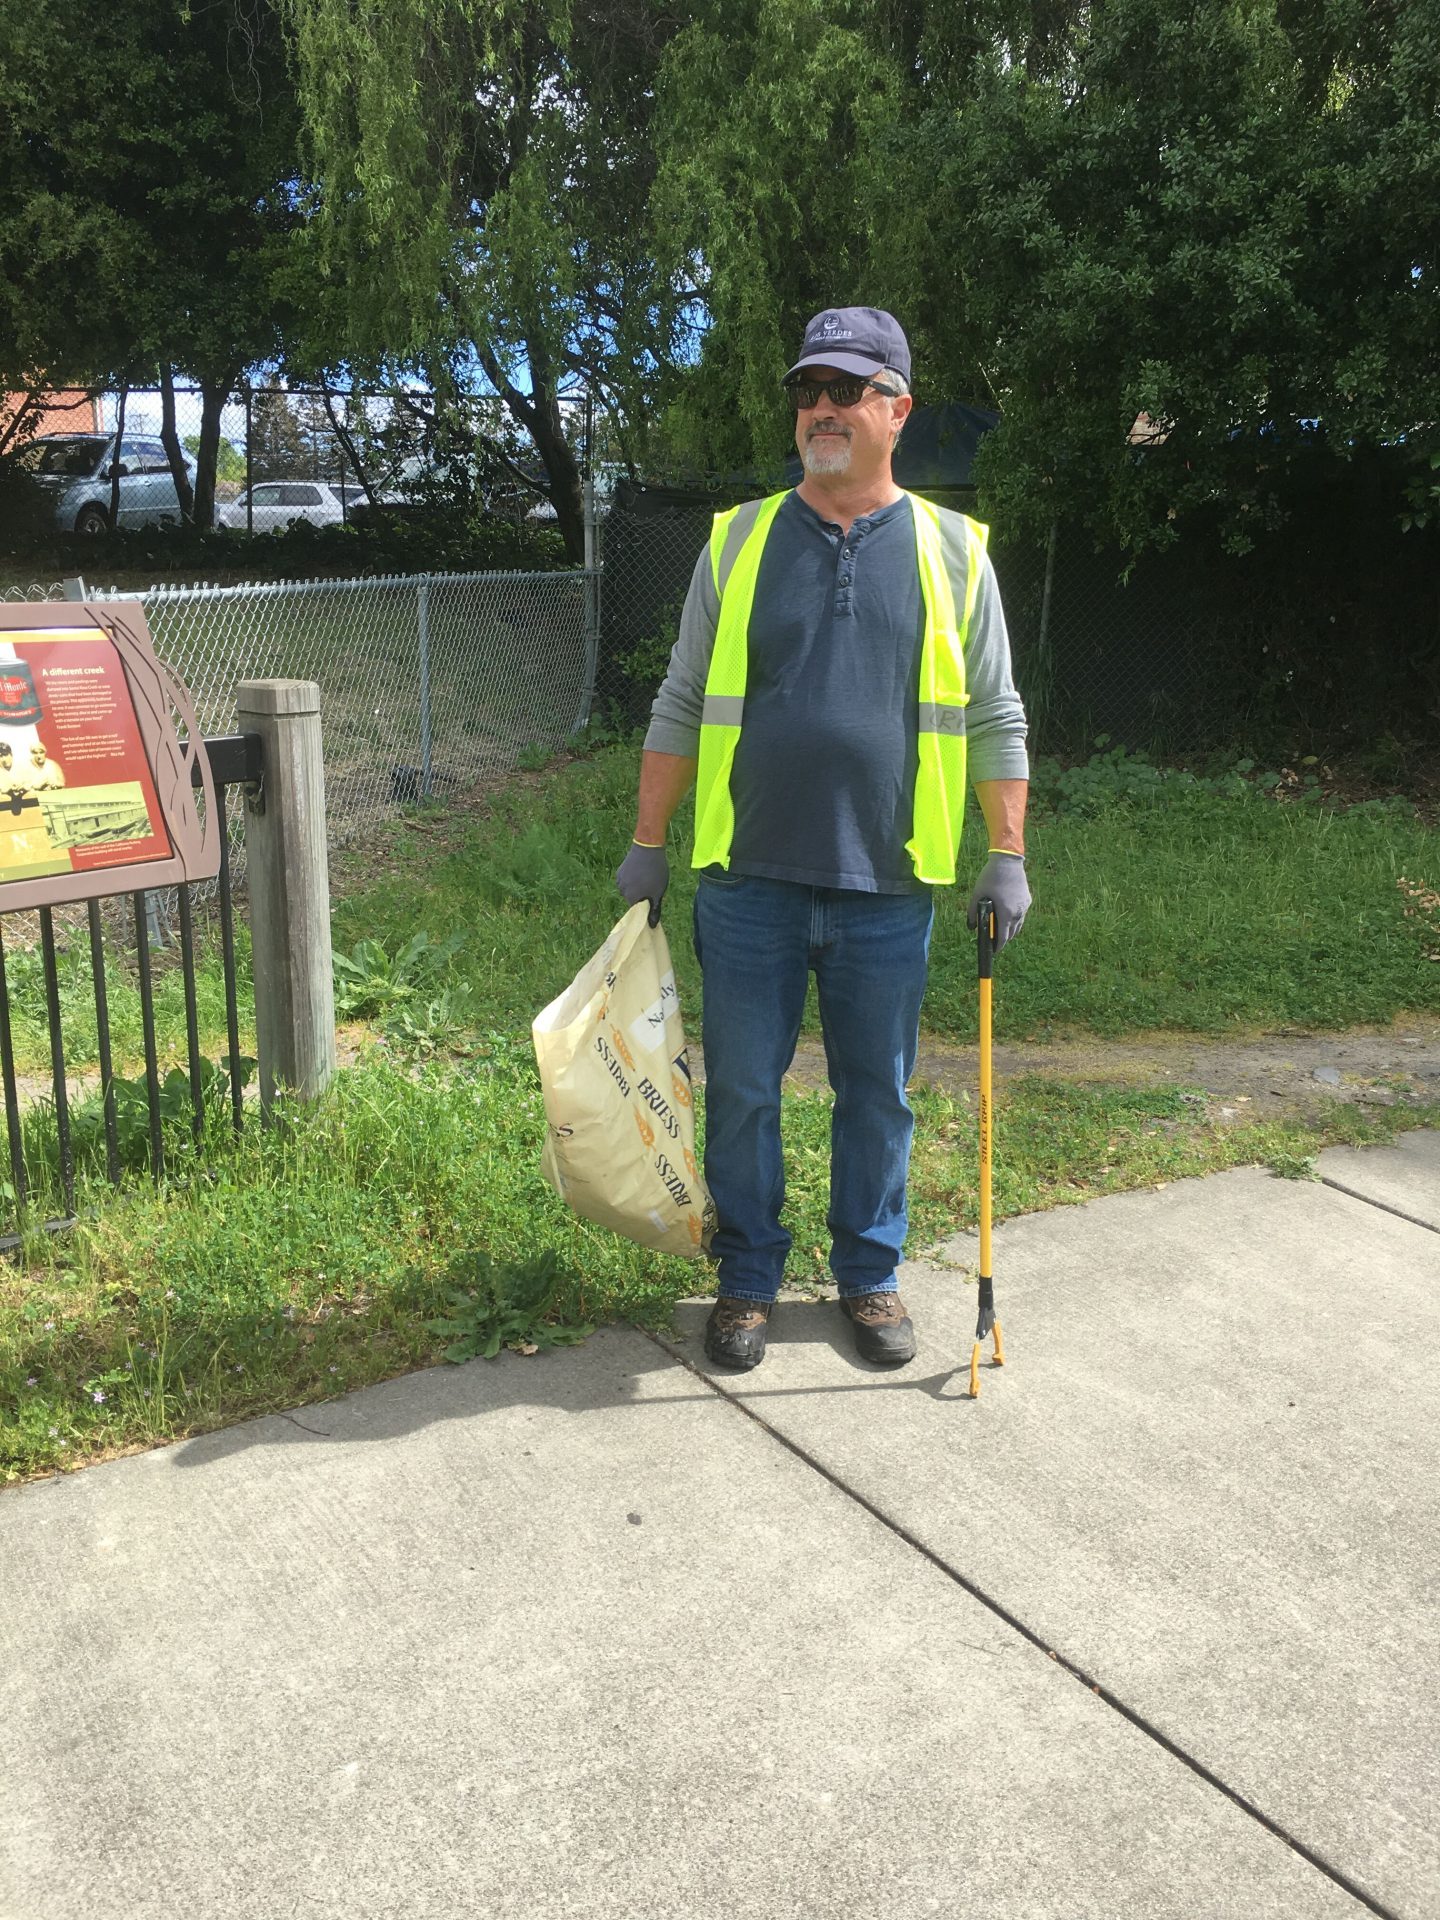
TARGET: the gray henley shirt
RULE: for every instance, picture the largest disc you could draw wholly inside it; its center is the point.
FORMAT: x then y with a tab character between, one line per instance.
824	773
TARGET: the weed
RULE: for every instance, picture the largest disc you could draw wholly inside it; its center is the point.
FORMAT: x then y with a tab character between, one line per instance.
592	738
420	1029
175	1107
370	981
1292	1164
491	1306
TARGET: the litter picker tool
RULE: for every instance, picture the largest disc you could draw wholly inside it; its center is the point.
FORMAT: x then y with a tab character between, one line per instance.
987	1323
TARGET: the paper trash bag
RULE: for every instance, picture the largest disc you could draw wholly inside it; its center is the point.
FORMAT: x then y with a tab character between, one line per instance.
616	1079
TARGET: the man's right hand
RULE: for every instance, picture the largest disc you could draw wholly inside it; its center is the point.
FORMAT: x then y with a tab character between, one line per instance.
644	874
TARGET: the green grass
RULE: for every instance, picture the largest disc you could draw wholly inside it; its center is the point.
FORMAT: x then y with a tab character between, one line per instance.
1207	915
330	1251
30	1027
1156	906
1190	908
404	1214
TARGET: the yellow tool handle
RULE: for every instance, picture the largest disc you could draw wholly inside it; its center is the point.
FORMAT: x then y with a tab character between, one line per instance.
985	1128
985	1321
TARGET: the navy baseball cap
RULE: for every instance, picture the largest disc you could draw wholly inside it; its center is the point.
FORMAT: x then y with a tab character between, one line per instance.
856	340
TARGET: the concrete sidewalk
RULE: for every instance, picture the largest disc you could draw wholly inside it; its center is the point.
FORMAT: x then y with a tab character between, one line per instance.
1147	1630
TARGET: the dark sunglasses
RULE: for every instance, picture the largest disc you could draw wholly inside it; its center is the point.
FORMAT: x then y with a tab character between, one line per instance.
846	391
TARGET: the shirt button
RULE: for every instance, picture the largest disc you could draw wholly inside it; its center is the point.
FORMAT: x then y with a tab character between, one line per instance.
844	579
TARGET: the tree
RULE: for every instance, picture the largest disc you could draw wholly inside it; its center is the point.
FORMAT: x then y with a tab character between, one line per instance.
768	114
281	438
483	179
1224	217
147	155
230	465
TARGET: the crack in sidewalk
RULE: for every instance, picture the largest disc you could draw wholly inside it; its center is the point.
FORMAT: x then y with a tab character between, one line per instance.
1017	1625
1384	1206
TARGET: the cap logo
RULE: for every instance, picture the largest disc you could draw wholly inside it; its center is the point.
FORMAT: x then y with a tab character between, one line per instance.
830	328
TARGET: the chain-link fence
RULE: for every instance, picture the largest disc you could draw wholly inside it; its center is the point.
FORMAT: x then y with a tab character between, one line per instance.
1325	635
433	682
1085	653
648	542
1324	638
430	683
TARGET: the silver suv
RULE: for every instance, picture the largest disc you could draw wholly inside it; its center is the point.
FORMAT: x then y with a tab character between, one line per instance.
73	471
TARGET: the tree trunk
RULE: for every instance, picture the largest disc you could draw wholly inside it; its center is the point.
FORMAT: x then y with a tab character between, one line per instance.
174	452
14	427
567	493
213	396
538	412
347	444
115	458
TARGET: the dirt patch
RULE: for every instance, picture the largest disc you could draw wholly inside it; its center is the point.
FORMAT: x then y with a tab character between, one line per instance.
1281	1074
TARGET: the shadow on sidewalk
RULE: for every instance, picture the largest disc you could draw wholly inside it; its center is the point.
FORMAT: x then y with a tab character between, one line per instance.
616	1366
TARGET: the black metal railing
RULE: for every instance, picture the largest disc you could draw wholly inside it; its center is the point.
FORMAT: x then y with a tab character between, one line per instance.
235	762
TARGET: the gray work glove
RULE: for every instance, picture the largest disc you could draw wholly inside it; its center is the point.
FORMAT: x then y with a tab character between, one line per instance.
644	874
1002	881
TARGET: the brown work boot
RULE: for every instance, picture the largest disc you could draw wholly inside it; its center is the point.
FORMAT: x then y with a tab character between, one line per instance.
884	1332
735	1332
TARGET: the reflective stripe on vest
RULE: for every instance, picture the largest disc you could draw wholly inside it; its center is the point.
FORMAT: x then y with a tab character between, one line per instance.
948	586
736	543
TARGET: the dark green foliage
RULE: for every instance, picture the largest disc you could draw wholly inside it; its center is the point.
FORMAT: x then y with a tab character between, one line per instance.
1223	217
406	542
24	512
147	167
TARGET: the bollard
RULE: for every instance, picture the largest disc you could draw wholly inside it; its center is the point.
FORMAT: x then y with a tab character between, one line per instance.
289	884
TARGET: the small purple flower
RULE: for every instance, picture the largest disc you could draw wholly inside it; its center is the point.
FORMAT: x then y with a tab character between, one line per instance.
30	1381
97	1396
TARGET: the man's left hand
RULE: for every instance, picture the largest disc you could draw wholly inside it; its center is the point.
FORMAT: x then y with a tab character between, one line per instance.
1002	881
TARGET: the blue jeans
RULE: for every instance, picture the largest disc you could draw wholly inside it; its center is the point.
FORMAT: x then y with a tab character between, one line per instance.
757	941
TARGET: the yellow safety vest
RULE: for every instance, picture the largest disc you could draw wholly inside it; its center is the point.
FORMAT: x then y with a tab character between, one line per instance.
948	584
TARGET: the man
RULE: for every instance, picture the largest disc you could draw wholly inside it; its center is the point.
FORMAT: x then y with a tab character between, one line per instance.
838	645
12	783
43	773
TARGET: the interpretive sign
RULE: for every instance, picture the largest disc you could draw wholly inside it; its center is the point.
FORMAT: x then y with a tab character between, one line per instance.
96	794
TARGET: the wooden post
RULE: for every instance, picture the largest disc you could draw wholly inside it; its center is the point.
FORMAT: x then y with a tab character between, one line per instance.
289	884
